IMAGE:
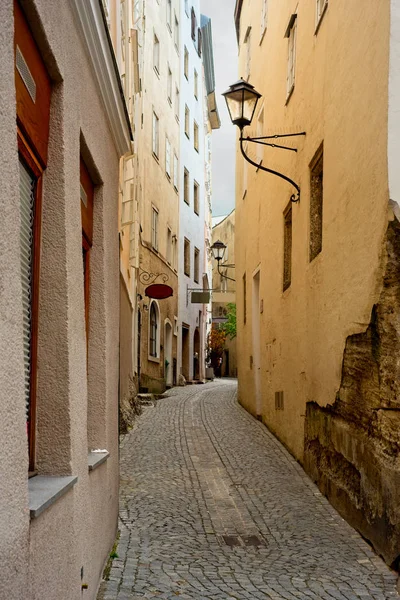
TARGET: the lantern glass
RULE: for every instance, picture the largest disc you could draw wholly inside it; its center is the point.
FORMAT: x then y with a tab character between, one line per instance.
218	249
241	100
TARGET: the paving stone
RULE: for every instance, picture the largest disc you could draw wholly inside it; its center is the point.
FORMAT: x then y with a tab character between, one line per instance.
212	507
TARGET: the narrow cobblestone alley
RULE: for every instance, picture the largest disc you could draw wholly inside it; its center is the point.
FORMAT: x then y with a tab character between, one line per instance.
213	507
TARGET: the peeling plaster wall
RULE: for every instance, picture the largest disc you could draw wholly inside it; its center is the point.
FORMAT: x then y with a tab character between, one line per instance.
352	447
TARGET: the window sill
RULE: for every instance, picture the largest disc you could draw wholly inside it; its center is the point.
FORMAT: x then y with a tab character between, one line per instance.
157	72
156	157
289	95
45	491
154	359
95	459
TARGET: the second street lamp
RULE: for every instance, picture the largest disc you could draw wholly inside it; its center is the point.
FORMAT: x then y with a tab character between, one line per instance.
218	249
241	99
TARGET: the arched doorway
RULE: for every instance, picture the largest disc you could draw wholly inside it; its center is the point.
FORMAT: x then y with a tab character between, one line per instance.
168	364
196	354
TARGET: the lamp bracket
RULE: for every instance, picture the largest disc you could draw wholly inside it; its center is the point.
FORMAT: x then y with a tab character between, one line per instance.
258	140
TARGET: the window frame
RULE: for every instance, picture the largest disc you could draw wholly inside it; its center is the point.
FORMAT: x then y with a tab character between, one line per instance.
156	54
316	233
196	84
196	197
156	135
176	172
167	157
186	63
154	228
187	121
186	186
264	19
291	34
196	265
195	135
319	13
186	256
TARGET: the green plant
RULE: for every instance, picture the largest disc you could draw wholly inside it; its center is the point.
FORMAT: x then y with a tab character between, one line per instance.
230	326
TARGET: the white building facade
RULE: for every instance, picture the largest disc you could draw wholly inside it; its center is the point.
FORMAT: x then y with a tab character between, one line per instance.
194	200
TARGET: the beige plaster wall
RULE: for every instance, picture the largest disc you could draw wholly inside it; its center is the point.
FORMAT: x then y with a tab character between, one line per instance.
340	98
77	396
156	189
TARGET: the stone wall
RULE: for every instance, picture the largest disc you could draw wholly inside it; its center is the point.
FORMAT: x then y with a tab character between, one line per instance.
352	446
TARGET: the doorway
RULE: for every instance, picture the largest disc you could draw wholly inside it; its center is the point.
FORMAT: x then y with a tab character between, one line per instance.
168	366
196	354
256	341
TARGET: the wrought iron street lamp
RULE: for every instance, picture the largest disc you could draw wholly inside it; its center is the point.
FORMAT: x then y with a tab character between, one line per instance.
241	99
218	249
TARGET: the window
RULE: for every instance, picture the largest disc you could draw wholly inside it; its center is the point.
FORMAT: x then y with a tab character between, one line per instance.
176	33
169	14
186	257
316	199
169	85
193	24
199	41
264	8
196	84
33	111
187	7
287	247
244	298
291	35
186	63
195	136
168	158
260	133
187	120
174	252
154	333
196	265
169	245
247	41
156	54
86	197
322	5
186	186
155	135
196	197
176	173
154	228
177	104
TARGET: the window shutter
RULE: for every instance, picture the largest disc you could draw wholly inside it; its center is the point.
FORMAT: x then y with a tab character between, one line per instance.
26	187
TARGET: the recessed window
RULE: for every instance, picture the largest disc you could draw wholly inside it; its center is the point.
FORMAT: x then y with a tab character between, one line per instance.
186	63
154	228
176	33
177	104
199	41
169	245
291	68
287	248
156	55
195	136
316	203
196	202
321	6
187	120
176	173
186	257
264	9
156	141
169	14
247	41
196	84
186	186
168	158
169	85
196	275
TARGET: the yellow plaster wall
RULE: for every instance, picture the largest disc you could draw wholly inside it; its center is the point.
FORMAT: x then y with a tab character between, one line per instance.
340	98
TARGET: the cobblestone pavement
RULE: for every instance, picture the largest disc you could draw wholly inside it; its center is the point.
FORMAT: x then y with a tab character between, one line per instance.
213	507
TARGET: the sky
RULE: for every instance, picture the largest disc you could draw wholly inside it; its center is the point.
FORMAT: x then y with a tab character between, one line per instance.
226	73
